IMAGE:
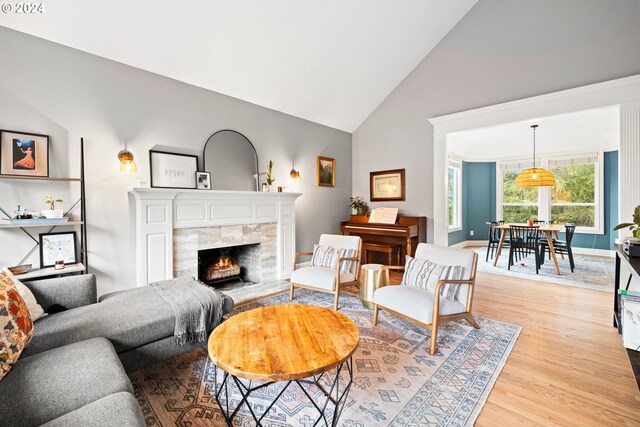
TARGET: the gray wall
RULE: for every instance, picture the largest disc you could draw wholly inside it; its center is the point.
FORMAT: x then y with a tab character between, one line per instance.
51	89
502	50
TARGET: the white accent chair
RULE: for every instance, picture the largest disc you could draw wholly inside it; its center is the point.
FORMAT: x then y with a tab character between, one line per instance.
326	279
417	304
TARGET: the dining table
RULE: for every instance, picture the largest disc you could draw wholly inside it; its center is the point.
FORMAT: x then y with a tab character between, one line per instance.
548	229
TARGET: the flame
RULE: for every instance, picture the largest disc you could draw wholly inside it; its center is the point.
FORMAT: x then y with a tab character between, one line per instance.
223	263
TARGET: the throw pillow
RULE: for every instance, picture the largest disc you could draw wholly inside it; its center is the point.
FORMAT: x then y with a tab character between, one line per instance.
425	274
16	327
345	267
35	310
324	256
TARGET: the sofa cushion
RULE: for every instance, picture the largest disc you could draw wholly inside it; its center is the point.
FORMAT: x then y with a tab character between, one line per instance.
137	318
16	328
425	274
35	310
48	385
414	302
116	410
319	277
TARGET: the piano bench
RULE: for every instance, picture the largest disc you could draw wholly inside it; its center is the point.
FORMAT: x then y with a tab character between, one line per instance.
389	249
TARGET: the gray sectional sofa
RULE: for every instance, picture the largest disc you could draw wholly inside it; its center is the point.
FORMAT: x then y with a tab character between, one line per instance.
74	371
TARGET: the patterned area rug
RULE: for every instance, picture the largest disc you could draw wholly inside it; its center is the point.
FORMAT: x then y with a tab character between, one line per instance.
396	381
591	272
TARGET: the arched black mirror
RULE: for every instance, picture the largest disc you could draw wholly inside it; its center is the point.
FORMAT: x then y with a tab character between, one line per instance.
232	161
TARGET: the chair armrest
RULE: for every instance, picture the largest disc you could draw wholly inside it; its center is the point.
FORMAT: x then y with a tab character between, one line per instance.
68	291
299	254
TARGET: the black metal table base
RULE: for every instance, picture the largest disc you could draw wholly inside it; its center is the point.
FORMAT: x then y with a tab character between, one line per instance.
336	394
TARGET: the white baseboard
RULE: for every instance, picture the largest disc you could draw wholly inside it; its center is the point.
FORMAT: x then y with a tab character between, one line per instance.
576	250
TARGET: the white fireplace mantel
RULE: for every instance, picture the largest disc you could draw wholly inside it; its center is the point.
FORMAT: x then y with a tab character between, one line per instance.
160	211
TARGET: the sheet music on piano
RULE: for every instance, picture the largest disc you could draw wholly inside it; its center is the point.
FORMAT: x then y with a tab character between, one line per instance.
384	215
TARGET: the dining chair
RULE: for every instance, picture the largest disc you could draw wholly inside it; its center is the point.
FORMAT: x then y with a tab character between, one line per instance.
494	238
524	240
562	247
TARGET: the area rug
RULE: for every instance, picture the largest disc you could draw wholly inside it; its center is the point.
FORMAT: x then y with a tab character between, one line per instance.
591	272
396	381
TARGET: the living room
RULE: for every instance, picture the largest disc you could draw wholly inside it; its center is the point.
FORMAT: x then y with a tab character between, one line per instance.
363	89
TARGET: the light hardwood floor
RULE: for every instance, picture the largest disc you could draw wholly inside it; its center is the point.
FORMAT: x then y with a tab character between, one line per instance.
568	366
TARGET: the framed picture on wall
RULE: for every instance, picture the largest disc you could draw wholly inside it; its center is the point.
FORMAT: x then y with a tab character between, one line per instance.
387	186
172	170
24	154
58	246
203	180
326	172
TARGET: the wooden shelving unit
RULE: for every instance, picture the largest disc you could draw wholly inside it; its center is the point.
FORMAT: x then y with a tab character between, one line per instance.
83	262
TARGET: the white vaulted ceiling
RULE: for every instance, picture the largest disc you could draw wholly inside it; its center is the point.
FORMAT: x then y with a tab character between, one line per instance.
331	61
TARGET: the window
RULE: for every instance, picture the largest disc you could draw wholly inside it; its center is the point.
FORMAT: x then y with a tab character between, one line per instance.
573	199
518	204
454	195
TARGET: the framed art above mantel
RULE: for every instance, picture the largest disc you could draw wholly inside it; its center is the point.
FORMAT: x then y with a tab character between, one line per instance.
172	170
387	186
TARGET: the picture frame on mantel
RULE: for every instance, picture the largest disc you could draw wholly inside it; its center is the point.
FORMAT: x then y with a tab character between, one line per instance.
326	172
387	186
172	170
24	154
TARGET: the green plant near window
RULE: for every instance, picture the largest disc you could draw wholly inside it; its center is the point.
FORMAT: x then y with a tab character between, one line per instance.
633	226
358	204
51	201
270	178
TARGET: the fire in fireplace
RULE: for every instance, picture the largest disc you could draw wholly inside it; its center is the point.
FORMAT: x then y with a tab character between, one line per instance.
229	263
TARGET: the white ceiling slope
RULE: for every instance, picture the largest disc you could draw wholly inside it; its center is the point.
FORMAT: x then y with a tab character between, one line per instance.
332	61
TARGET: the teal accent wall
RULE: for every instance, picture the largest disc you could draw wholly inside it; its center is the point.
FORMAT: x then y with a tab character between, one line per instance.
478	201
479	204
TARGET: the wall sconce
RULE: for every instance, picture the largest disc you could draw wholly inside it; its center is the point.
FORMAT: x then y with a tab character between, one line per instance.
127	165
295	176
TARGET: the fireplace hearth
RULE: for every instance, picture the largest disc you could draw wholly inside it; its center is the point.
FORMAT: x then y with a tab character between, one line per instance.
219	265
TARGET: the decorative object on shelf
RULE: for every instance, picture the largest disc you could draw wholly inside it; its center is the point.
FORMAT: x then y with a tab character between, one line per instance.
326	172
42	221
20	269
270	178
52	212
127	164
280	189
387	186
172	170
633	226
203	180
58	247
535	177
358	204
21	213
295	176
265	187
24	154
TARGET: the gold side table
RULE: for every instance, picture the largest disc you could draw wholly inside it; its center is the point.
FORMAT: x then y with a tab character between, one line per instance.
368	278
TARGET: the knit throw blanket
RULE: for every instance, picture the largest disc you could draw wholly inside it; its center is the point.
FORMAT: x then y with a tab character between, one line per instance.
197	307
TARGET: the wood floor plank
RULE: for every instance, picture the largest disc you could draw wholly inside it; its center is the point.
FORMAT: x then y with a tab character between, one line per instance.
568	366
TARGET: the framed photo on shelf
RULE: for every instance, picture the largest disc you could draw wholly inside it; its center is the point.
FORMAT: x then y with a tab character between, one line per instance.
203	180
58	246
387	186
326	172
172	170
24	154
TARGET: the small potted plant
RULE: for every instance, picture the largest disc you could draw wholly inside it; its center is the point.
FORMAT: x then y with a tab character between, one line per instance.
270	178
358	204
633	226
52	212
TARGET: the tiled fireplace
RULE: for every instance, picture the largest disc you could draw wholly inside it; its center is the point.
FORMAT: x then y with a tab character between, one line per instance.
179	230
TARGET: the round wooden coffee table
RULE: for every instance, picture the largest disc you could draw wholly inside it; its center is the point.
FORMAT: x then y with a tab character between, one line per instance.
292	343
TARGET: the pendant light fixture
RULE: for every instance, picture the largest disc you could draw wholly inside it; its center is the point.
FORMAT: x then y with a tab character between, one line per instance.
535	177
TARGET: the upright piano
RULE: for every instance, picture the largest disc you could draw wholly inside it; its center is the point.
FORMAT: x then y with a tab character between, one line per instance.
407	232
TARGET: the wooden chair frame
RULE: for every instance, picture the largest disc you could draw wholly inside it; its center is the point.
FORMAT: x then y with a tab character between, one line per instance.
336	291
437	318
